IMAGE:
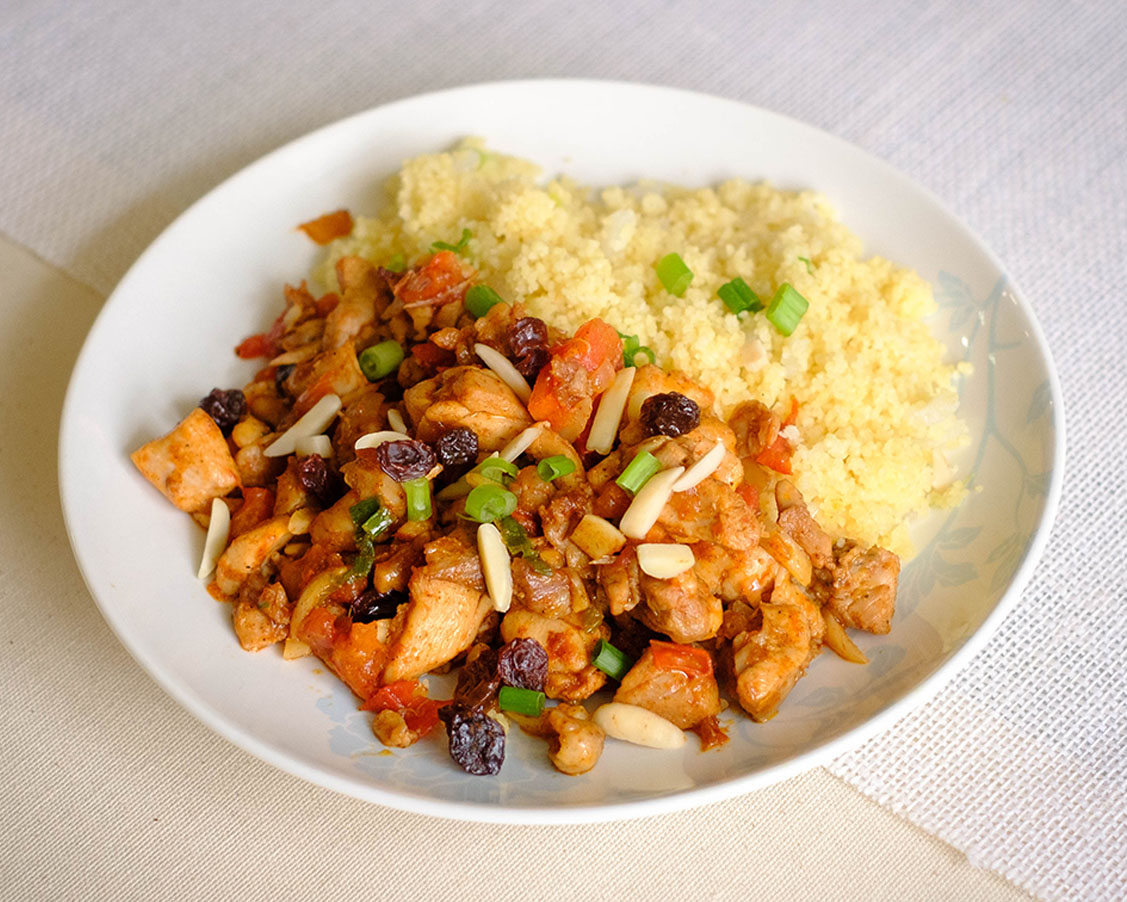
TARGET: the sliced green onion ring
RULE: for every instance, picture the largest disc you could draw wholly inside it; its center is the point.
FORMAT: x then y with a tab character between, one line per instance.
486	503
498	470
380	361
521	701
786	309
361	511
418	498
456	248
638	472
554	467
674	274
611	660
480	298
738	296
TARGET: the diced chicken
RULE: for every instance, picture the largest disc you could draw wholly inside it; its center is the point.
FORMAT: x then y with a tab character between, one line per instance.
621	580
569	643
333	528
290	494
575	742
795	520
466	396
710	512
735	575
685	450
447	606
770	659
681	608
365	412
755	428
249	551
562	514
547	593
191	465
862	592
684	697
263	621
331	372
364	294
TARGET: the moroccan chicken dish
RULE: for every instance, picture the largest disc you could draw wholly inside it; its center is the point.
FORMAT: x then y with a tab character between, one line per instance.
423	478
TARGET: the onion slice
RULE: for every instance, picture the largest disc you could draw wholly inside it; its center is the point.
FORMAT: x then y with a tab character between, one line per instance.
315	421
665	560
375	439
218	529
702	469
604	427
522	442
646	507
507	373
495	566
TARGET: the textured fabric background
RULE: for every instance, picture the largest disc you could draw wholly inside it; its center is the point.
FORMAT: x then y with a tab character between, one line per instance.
115	116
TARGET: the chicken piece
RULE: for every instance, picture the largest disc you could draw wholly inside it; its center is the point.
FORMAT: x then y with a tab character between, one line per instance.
795	520
687	449
562	514
710	512
262	622
569	642
575	742
191	465
365	412
532	492
468	396
755	428
491	329
769	660
333	528
365	477
290	494
447	606
675	682
364	295
330	372
681	608
621	580
547	593
743	575
862	591
394	563
249	551
255	468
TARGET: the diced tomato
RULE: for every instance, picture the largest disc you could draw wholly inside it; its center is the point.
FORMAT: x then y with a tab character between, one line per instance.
580	369
776	456
431	355
438	281
689	660
792	414
327	303
409	698
265	344
750	494
325	228
258	504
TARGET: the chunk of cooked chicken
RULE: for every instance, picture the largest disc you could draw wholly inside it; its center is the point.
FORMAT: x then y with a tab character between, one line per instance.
446	608
710	512
621	580
770	658
249	551
191	465
263	621
862	590
687	449
735	575
683	695
364	295
681	608
795	520
330	372
575	741
466	396
569	642
755	428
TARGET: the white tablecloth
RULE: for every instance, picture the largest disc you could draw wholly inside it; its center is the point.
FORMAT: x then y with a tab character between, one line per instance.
115	116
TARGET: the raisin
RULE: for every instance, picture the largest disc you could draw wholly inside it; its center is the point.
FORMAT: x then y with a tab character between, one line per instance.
225	407
317	479
477	741
457	449
532	363
478	682
670	414
526	335
372	605
406	460
281	374
523	664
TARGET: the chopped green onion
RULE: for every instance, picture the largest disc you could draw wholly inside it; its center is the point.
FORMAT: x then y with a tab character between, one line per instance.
362	511
521	701
638	472
786	309
378	524
611	661
518	542
646	355
632	347
554	467
398	263
674	274
380	361
486	503
362	563
809	265
480	298
456	248
738	296
498	470
418	498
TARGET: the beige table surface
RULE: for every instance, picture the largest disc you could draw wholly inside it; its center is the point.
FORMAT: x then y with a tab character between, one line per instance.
111	791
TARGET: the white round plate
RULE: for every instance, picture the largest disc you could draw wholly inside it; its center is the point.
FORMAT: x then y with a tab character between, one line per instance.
165	338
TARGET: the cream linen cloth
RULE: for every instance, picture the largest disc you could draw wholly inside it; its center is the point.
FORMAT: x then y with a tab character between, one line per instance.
116	116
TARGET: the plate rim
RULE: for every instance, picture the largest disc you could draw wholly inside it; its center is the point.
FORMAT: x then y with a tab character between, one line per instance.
676	800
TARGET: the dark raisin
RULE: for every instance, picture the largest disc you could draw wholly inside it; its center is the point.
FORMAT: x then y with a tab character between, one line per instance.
526	335
523	663
318	479
477	741
225	407
532	363
478	682
281	374
457	449
406	460
372	605
670	414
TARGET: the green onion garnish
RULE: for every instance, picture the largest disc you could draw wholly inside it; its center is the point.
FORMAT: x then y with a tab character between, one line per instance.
378	524
521	701
674	274
646	355
809	265
380	361
611	661
498	470
480	298
362	563
486	503
554	467
632	347
738	296
787	307
638	472
418	498
398	263
518	542
456	248
362	511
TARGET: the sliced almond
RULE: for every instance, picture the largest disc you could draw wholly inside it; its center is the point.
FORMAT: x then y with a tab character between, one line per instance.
597	538
838	639
522	442
702	469
495	565
320	445
632	723
375	439
647	505
395	420
508	373
604	427
665	560
218	529
315	421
